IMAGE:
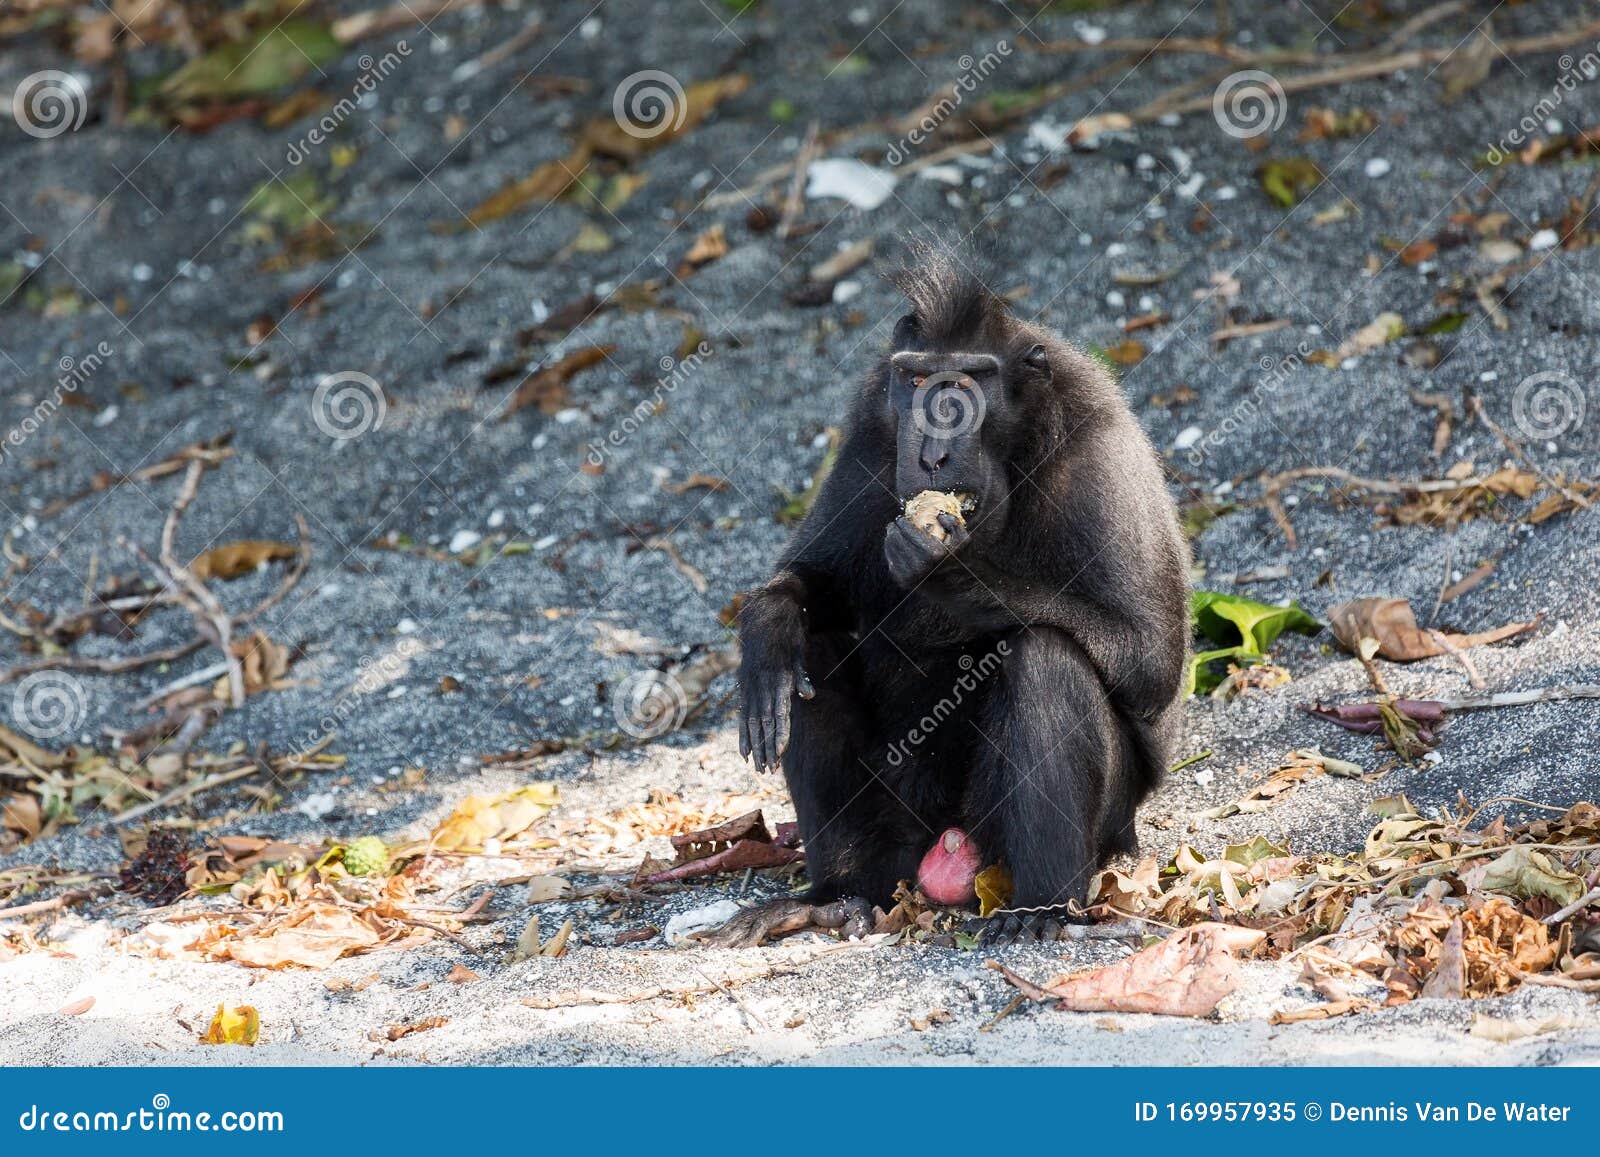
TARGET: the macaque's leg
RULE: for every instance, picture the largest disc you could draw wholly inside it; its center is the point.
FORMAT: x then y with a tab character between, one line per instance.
1051	747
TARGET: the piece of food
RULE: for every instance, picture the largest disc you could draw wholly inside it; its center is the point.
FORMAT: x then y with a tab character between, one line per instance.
366	857
924	510
948	870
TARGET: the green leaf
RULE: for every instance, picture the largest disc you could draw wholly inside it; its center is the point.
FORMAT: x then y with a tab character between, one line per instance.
1202	678
1232	620
1259	848
266	62
1525	873
1289	181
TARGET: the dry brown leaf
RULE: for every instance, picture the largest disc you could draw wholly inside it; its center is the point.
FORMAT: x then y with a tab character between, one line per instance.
1393	625
707	247
606	136
543	185
77	1007
312	938
396	1031
1186	974
233	559
547	386
461	974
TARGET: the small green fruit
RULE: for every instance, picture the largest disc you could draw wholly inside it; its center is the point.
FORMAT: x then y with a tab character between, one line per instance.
366	857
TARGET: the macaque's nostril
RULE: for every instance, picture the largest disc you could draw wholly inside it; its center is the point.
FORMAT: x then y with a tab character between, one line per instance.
934	453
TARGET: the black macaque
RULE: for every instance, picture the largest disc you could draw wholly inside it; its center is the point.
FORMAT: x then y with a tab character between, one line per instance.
1016	676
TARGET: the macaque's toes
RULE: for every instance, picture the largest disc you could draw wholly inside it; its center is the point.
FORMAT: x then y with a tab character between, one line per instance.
755	925
1023	928
851	917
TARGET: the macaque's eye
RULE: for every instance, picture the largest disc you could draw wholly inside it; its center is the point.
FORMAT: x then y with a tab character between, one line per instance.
918	381
1037	357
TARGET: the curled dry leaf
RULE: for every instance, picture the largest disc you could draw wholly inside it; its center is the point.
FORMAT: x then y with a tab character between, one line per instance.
1393	625
312	938
1186	974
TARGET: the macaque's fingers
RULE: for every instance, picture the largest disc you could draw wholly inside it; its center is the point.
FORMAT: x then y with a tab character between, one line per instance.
781	736
744	733
956	533
802	681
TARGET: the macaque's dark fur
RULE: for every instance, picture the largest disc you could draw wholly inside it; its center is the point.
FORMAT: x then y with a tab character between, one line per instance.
1073	561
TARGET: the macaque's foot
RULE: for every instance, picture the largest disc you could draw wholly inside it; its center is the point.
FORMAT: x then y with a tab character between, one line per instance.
1025	927
754	926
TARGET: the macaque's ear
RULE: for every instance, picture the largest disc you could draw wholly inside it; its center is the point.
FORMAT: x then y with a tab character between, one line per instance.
906	331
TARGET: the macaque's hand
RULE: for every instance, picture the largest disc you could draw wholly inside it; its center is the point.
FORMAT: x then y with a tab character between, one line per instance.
912	553
771	672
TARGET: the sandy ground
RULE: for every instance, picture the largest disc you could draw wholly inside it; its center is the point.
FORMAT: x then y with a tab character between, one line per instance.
144	234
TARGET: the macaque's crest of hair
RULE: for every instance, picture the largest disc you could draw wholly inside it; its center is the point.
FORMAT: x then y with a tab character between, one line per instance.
951	302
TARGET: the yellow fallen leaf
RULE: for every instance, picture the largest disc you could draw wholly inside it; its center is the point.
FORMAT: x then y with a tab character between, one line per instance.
993	886
233	559
478	818
241	1026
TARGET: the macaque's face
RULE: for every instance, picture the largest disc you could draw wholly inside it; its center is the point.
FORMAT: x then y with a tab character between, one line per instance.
956	415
